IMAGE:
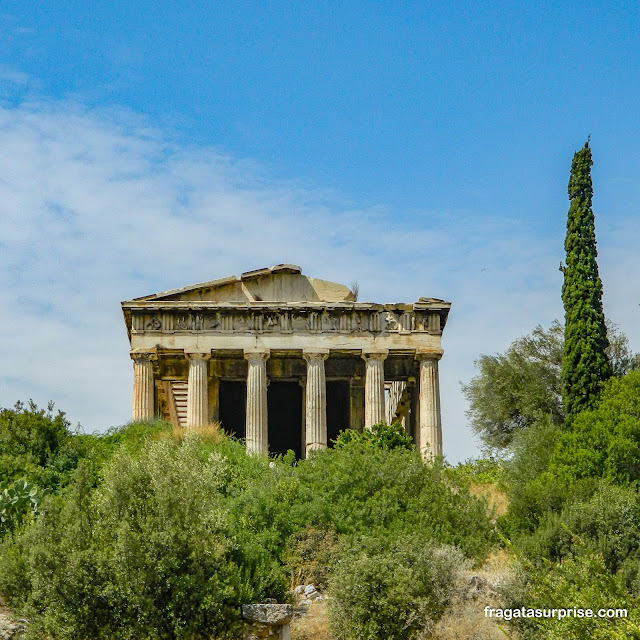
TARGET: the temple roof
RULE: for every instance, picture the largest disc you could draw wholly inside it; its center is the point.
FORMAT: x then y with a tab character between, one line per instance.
280	283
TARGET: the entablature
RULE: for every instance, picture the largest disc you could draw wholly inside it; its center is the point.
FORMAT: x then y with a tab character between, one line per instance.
151	317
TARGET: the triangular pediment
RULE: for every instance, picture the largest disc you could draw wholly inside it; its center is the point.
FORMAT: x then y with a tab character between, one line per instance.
280	283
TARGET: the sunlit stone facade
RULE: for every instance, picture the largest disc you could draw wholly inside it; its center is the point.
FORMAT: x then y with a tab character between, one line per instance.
286	361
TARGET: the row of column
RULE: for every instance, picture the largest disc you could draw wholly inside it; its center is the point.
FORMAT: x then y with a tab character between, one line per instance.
428	424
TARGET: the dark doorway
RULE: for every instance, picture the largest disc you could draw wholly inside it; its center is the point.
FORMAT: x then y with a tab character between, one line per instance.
233	407
338	408
284	406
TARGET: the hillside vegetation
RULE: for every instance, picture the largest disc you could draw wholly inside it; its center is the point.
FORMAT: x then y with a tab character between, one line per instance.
148	532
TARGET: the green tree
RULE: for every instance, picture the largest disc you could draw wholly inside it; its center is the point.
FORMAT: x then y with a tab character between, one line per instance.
585	365
551	465
604	441
514	389
36	444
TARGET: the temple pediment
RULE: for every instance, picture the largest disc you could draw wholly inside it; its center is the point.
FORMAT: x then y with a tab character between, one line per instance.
280	283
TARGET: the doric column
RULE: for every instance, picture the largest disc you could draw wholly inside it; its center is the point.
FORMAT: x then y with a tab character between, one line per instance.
429	419
142	387
198	390
374	388
257	436
316	401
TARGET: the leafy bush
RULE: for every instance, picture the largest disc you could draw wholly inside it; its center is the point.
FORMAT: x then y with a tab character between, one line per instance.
381	435
357	487
163	535
389	588
478	471
16	501
533	490
553	466
604	442
581	581
309	555
607	523
35	444
154	552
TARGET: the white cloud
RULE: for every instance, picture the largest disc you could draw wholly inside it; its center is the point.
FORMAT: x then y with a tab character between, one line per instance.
97	207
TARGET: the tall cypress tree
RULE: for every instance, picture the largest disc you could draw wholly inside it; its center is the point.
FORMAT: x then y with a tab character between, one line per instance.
585	365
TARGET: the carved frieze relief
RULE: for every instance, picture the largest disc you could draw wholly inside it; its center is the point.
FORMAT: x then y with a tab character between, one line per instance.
154	323
189	322
287	321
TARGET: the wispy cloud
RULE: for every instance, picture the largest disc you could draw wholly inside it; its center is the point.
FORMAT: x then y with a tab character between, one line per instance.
98	207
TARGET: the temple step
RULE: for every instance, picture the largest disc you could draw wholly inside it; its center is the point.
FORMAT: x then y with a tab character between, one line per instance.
179	390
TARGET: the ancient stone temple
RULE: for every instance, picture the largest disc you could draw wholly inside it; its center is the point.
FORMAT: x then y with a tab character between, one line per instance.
286	361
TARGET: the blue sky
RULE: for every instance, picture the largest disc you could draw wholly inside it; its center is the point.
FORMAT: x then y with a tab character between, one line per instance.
419	148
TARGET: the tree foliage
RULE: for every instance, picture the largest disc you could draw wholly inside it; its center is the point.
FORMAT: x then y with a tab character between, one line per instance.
606	522
552	466
154	552
516	389
604	442
581	581
33	444
584	365
175	533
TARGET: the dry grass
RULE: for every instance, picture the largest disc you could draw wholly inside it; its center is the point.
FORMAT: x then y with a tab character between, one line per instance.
497	499
497	564
312	626
465	619
211	432
467	622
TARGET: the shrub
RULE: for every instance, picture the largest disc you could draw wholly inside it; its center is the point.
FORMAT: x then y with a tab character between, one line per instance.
478	471
163	536
357	487
532	492
552	466
155	552
34	444
381	435
16	501
309	555
604	442
607	523
383	589
581	581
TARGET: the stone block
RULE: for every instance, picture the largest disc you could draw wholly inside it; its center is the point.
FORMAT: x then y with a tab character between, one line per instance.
275	614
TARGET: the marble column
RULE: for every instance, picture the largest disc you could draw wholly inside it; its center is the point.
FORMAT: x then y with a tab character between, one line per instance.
316	401
143	387
198	390
429	419
257	436
374	388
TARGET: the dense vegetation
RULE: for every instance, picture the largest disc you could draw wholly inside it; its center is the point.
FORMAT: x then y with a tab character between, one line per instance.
515	389
561	408
147	533
150	533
